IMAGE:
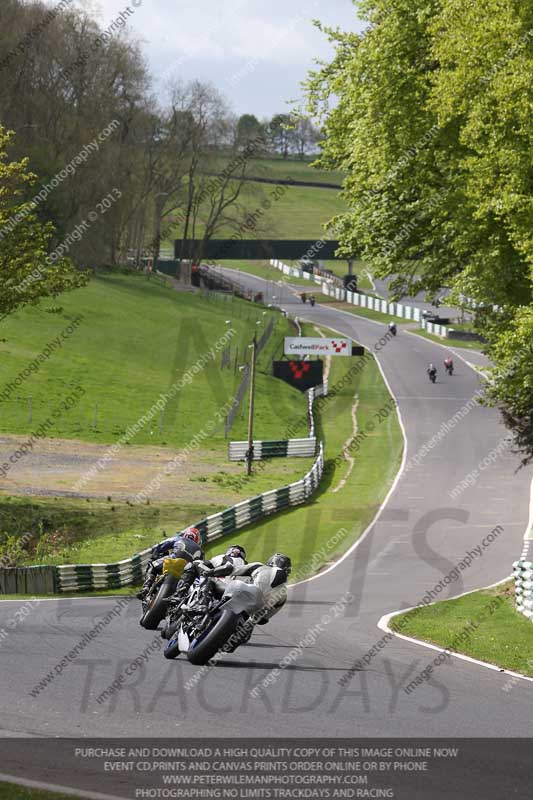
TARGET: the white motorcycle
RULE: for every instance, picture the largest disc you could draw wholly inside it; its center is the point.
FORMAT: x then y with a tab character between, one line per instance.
219	615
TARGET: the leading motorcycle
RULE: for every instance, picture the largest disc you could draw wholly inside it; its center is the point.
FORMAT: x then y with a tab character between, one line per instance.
154	605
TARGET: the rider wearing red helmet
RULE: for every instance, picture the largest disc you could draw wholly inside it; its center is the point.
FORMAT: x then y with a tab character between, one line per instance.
186	544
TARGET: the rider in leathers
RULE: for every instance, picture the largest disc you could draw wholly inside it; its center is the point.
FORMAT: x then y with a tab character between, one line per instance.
221	566
184	545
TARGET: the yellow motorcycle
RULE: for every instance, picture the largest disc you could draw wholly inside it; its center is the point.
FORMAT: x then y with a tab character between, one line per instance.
154	605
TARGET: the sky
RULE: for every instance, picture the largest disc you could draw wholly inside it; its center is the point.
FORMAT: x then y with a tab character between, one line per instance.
255	52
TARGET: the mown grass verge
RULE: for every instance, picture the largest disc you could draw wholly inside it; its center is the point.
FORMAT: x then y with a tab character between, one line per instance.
498	635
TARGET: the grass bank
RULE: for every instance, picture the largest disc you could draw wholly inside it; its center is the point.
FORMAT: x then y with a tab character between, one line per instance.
499	635
134	340
295	212
297	169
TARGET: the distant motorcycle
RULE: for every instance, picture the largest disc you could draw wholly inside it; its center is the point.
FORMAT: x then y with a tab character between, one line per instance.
392	328
432	375
312	301
448	366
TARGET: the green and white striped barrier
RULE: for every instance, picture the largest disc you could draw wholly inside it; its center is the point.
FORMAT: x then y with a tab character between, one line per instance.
296	272
523	579
410	313
373	303
434	329
283	448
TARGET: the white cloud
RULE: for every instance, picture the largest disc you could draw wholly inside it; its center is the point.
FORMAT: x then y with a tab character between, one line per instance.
256	53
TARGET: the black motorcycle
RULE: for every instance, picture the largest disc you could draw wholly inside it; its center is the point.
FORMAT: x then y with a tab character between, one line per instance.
432	375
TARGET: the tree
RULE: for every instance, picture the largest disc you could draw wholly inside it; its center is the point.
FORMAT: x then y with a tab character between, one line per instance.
432	125
279	132
305	137
27	272
249	129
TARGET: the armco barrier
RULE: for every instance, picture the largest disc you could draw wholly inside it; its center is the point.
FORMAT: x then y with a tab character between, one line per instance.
303	448
523	579
373	303
410	313
283	448
87	577
130	571
295	272
435	329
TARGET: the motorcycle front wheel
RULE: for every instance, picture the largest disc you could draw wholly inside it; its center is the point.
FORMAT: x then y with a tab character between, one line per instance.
172	649
204	648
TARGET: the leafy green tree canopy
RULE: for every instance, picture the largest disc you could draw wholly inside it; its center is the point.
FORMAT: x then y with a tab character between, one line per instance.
28	272
429	112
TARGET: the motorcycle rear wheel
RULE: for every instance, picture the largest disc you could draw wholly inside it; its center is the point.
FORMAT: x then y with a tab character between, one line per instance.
158	608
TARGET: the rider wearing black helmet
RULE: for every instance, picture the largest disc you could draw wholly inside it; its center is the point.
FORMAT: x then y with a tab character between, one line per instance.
276	591
282	562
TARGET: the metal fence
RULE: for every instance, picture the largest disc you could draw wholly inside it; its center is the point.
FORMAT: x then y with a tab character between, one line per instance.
239	397
23	414
245	381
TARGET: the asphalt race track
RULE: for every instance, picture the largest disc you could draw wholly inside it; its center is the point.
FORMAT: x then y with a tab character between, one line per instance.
420	535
